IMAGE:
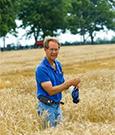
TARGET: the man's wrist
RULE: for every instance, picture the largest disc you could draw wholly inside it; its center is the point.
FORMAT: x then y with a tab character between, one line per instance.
67	85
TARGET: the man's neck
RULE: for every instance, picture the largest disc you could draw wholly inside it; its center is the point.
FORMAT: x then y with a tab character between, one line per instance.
50	61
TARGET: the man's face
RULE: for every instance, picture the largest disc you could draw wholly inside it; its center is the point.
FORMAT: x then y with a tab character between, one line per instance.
52	51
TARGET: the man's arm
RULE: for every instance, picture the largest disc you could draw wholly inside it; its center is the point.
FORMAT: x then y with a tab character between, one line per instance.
52	90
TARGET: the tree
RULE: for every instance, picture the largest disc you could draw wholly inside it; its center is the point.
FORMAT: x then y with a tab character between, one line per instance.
113	39
89	16
7	17
44	17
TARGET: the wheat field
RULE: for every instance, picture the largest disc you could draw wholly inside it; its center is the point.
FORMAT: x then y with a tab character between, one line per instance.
93	115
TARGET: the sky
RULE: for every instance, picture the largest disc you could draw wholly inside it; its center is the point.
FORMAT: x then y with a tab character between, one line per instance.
21	38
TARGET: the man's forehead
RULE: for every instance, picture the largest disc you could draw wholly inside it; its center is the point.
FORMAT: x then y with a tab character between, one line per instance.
53	44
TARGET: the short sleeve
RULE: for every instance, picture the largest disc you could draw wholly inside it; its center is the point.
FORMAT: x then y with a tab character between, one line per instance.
42	75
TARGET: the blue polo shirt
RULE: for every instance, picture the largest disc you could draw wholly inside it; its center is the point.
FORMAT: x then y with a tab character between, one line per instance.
44	73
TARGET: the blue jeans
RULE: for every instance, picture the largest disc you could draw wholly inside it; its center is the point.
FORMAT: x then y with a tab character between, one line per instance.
51	115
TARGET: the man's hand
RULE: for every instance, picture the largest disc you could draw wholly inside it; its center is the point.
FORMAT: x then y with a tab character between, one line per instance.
74	82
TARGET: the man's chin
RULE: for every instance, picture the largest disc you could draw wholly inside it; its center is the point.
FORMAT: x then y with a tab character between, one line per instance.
53	58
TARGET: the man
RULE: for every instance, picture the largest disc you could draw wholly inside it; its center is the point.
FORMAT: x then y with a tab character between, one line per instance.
51	83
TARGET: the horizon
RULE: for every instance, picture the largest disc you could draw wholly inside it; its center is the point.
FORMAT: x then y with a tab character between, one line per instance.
66	37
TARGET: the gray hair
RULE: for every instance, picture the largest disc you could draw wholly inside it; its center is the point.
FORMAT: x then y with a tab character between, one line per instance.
48	39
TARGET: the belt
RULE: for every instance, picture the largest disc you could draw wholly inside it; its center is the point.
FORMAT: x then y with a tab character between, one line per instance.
48	101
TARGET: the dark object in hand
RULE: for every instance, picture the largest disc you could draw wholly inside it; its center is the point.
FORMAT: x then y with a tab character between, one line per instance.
75	95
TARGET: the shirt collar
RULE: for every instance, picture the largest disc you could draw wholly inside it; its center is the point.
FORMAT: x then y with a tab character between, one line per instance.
46	62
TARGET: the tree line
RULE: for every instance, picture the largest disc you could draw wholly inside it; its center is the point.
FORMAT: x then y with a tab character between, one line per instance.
52	17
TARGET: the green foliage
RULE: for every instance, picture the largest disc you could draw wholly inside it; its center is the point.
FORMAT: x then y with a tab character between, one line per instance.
43	17
113	39
7	16
88	16
50	17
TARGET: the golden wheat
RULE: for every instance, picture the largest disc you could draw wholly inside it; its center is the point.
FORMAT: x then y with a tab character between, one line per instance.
95	113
